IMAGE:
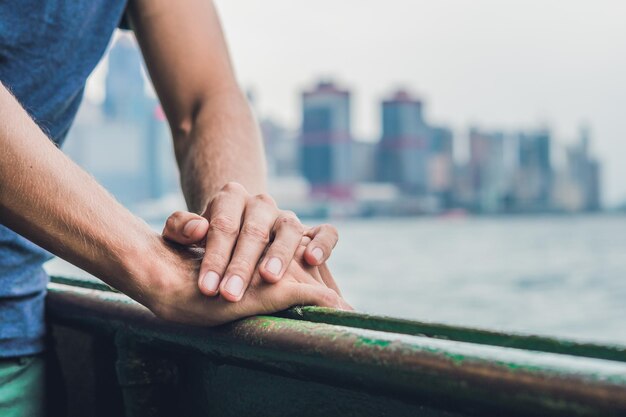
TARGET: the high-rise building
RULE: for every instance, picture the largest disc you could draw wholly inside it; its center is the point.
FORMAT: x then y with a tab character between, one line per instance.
124	85
281	149
489	182
584	172
326	141
441	165
535	175
125	143
161	169
405	144
364	161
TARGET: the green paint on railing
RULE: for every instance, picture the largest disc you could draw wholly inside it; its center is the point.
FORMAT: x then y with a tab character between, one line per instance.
373	342
418	328
482	379
457	333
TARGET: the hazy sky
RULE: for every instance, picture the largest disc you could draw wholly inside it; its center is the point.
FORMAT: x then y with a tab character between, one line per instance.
497	64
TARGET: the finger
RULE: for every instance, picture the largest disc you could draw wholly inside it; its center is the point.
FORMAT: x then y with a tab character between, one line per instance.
315	275
224	214
270	298
311	272
315	295
254	236
324	238
185	228
287	232
328	278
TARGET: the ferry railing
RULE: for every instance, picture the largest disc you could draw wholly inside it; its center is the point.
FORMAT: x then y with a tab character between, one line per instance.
118	359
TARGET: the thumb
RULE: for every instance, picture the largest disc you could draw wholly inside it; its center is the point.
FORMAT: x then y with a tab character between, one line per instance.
328	278
315	295
185	228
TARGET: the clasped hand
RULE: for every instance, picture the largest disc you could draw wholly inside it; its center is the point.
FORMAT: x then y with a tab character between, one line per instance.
257	259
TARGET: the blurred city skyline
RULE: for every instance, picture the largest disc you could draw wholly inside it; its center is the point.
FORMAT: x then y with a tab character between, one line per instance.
320	170
500	67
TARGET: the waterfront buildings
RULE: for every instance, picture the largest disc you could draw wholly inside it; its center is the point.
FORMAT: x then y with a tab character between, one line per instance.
581	188
321	169
441	165
124	142
505	172
412	154
405	144
487	170
326	140
534	180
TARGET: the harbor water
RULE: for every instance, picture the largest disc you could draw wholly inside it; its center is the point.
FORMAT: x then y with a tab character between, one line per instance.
561	276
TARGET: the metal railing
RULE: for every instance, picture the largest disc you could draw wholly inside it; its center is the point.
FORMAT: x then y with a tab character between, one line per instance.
118	359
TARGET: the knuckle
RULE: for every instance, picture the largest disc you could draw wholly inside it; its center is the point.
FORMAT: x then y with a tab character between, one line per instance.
256	232
273	303
233	187
170	223
331	231
224	224
329	228
264	199
290	221
329	298
215	261
280	250
242	267
300	252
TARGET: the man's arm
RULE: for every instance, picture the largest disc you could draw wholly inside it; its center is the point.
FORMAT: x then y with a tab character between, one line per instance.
48	199
218	149
45	197
215	135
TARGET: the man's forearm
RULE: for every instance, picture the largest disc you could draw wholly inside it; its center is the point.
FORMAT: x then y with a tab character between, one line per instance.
223	144
48	199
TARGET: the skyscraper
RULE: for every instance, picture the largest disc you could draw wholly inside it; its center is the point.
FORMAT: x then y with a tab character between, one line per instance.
487	169
584	172
281	149
326	141
125	97
125	143
535	175
405	143
441	165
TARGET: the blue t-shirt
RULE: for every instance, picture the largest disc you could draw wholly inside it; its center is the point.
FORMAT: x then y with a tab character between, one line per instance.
48	48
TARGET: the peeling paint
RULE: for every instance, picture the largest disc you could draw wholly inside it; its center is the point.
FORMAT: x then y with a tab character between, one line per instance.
479	377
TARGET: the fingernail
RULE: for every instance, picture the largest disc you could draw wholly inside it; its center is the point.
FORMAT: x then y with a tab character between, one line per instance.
190	227
211	281
234	286
318	253
274	265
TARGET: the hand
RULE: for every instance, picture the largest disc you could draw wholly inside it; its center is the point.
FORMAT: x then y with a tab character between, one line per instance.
173	294
244	231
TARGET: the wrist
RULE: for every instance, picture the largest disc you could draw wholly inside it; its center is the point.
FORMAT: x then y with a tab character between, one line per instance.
160	274
138	263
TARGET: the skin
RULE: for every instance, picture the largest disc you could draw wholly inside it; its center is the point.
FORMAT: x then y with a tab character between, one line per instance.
48	199
219	151
175	232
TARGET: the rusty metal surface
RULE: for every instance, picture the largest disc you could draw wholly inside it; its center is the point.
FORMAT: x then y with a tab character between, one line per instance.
458	333
421	328
473	379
